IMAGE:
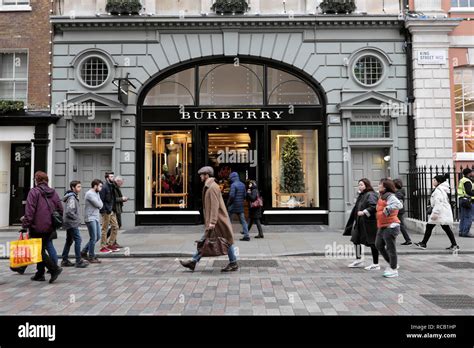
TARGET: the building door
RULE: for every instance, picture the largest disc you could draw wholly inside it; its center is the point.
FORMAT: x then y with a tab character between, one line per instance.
20	180
368	163
92	165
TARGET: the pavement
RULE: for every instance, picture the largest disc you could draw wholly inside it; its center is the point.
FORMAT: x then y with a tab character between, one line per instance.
280	240
265	286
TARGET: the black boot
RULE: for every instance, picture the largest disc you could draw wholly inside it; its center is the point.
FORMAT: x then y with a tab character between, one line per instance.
38	278
231	267
55	274
259	236
188	264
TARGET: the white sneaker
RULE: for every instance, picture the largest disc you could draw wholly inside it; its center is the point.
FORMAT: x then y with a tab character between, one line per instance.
356	264
372	267
391	273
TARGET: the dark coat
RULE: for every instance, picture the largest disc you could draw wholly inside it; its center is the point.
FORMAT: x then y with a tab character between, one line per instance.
37	212
401	194
254	213
237	194
107	195
363	229
118	206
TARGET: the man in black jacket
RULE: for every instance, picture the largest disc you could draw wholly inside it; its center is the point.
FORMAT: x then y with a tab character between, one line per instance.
107	195
120	199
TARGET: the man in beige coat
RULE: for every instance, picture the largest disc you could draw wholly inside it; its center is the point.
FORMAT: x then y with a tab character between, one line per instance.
215	216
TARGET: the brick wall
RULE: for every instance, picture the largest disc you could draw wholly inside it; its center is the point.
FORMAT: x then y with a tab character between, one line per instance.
30	30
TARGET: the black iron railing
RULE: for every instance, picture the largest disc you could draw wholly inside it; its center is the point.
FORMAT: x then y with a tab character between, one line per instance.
420	186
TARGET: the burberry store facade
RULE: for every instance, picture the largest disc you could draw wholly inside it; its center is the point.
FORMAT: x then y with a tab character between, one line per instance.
297	104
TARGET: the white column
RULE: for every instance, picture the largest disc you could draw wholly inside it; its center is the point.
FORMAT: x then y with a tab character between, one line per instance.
429	7
433	122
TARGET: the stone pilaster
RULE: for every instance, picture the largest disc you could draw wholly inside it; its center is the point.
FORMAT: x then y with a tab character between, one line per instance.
432	109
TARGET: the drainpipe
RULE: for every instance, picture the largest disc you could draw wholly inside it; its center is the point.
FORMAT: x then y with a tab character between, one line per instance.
410	94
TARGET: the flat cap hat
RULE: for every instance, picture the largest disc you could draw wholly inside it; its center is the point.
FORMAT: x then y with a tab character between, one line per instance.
206	170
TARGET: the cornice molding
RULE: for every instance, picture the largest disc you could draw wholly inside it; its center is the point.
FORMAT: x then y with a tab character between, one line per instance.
234	22
434	26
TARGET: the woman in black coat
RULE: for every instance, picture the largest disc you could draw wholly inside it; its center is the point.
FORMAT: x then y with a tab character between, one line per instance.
255	214
362	225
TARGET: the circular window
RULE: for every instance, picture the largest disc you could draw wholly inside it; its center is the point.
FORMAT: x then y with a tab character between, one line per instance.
94	71
368	70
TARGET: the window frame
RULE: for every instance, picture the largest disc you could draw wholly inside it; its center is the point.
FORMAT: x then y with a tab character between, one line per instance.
462	113
15	7
459	8
366	55
13	79
81	63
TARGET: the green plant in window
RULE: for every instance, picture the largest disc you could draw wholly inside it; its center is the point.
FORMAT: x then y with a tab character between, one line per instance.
292	178
124	7
337	6
11	106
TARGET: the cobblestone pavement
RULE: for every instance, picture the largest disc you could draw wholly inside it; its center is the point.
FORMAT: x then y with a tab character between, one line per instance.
298	286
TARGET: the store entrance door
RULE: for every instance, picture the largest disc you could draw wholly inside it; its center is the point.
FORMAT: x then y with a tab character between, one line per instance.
233	149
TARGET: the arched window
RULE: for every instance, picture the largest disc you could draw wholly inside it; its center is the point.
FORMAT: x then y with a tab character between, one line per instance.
232	85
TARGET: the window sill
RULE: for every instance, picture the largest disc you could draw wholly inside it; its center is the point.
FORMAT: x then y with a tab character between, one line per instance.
461	10
15	8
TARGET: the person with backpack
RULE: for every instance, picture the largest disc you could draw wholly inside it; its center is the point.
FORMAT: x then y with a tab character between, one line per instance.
72	221
441	213
362	225
401	194
42	217
388	225
235	203
255	208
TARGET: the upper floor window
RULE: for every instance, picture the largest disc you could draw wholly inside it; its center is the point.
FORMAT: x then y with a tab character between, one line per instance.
368	70
94	71
15	2
462	3
464	108
232	85
13	76
15	5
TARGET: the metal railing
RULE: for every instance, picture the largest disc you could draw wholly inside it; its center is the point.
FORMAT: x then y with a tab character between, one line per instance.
419	187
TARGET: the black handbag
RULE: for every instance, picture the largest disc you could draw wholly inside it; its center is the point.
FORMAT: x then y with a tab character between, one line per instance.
56	217
429	210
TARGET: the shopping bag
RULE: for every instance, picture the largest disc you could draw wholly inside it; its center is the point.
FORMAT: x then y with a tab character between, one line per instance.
25	251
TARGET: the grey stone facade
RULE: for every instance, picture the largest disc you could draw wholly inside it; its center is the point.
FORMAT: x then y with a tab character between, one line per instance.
323	47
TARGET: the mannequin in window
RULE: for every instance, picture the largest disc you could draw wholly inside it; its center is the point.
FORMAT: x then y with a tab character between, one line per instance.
172	156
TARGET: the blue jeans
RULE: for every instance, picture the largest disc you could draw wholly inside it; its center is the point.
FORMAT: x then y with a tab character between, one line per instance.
230	253
94	233
465	220
243	222
72	235
52	251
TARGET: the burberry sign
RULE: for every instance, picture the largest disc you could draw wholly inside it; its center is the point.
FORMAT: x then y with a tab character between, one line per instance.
233	115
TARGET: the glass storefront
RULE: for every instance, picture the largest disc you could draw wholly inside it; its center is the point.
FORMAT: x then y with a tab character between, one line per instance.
262	122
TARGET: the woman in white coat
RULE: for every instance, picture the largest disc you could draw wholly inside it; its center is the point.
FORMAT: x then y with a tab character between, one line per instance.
441	213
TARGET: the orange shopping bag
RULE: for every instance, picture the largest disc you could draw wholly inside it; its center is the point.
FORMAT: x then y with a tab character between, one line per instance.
25	251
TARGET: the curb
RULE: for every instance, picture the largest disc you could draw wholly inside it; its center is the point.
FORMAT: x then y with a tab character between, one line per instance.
303	254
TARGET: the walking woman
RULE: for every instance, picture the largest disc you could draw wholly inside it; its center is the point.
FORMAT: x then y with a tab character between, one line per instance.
362	225
441	213
388	224
255	212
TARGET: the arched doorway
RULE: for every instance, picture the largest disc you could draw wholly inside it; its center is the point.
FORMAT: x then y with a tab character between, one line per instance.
262	120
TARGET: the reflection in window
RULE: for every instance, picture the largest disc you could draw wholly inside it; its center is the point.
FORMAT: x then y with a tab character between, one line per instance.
229	84
168	159
295	168
464	109
287	89
177	89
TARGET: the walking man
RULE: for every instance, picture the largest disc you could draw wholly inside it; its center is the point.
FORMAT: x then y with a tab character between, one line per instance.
215	217
235	203
92	219
41	202
465	194
120	199
72	221
107	195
